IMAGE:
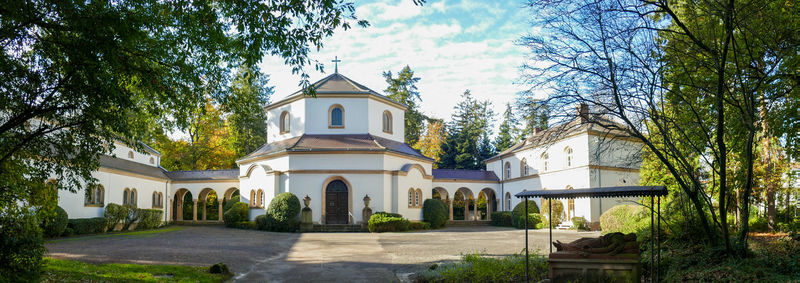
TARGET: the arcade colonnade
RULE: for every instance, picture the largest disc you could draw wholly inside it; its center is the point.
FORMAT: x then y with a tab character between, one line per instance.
199	196
449	193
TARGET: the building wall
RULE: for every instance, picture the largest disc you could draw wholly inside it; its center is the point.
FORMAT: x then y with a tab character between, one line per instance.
113	185
413	180
375	119
121	151
297	110
355	113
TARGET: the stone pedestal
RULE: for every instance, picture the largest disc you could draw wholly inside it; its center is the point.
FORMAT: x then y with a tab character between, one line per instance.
366	213
306	223
570	267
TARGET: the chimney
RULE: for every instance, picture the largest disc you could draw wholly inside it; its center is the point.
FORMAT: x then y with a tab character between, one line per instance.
583	112
536	130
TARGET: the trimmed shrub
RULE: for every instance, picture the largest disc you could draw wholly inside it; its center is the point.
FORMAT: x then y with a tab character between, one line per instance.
236	214
518	213
219	268
21	246
580	223
266	222
284	209
434	211
114	214
533	220
558	212
539	225
419	226
88	225
229	204
387	222
501	218
148	218
56	225
389	214
625	218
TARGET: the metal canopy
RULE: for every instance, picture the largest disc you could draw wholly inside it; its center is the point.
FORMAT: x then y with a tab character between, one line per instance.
606	192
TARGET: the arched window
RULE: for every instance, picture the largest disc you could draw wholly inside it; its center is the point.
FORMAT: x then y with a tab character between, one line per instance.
155	199
508	201
152	160
252	198
126	196
285	122
418	199
387	122
568	154
523	167
130	154
160	199
545	158
508	170
260	198
99	194
133	198
411	195
336	116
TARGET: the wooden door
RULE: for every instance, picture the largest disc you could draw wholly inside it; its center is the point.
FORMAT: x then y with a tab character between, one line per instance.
336	203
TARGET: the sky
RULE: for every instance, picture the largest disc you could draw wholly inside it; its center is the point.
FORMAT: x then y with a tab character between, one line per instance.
450	45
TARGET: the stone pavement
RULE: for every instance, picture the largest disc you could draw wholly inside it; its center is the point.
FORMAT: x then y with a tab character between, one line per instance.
257	256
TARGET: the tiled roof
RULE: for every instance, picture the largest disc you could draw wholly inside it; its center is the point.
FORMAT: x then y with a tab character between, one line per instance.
133	167
337	84
226	174
460	174
354	142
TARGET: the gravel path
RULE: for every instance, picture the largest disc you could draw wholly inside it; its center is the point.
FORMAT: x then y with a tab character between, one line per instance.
257	256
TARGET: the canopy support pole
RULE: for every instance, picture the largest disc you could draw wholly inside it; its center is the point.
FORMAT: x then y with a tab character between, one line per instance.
652	242
658	238
527	279
550	218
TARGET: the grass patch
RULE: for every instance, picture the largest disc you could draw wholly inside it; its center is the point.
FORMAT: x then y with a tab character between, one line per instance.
480	268
142	233
59	270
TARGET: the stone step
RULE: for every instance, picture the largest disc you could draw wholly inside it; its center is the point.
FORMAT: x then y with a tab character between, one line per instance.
337	228
197	223
462	223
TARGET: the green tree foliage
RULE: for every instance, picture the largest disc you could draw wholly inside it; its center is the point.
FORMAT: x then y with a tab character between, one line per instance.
78	75
56	225
207	144
403	89
518	214
506	137
693	81
533	113
468	134
249	94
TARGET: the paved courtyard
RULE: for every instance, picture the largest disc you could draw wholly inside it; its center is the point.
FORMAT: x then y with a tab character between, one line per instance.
257	256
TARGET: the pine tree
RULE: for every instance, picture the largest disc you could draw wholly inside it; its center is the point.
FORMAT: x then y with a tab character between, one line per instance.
533	113
506	138
468	131
403	89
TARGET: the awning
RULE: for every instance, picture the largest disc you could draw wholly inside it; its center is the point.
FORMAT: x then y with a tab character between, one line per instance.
606	192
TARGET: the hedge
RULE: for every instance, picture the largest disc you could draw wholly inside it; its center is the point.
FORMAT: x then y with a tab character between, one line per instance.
88	225
533	220
236	214
114	214
419	226
519	210
501	218
387	222
284	209
580	223
148	218
625	218
56	225
434	211
21	247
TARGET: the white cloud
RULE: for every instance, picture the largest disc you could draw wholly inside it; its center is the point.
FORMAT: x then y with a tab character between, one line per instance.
447	57
402	9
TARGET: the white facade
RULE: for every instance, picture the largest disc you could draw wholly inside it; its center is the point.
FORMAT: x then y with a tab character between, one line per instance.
338	157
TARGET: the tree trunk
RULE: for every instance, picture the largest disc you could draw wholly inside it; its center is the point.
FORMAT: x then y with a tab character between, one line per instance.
771	211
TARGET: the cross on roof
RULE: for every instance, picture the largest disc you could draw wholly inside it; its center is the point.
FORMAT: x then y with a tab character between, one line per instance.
336	64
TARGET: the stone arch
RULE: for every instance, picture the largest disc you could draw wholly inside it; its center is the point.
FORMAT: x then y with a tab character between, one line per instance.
254	166
214	205
229	193
447	201
491	202
466	195
349	198
407	168
177	203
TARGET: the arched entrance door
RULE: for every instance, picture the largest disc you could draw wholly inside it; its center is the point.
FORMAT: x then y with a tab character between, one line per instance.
336	208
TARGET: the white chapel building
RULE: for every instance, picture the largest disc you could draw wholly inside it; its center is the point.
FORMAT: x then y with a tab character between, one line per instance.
347	143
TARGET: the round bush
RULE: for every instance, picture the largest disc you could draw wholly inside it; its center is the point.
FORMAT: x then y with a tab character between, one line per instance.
626	218
229	204
387	222
434	212
236	214
533	220
284	210
558	212
56	225
519	210
115	213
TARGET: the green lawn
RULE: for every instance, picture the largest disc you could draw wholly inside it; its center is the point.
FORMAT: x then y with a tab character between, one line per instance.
142	233
58	270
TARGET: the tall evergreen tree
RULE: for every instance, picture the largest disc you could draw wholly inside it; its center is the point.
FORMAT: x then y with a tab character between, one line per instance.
533	114
249	95
468	135
506	137
403	89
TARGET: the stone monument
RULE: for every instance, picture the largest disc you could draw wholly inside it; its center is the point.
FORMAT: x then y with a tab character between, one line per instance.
366	213
611	257
306	224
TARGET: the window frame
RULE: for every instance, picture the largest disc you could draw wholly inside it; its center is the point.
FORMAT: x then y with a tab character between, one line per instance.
524	169
545	159
330	116
285	122
507	170
387	121
568	152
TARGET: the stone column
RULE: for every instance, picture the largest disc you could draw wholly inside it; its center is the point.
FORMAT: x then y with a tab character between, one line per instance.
204	210
171	211
475	216
488	208
220	211
194	210
451	209
180	211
